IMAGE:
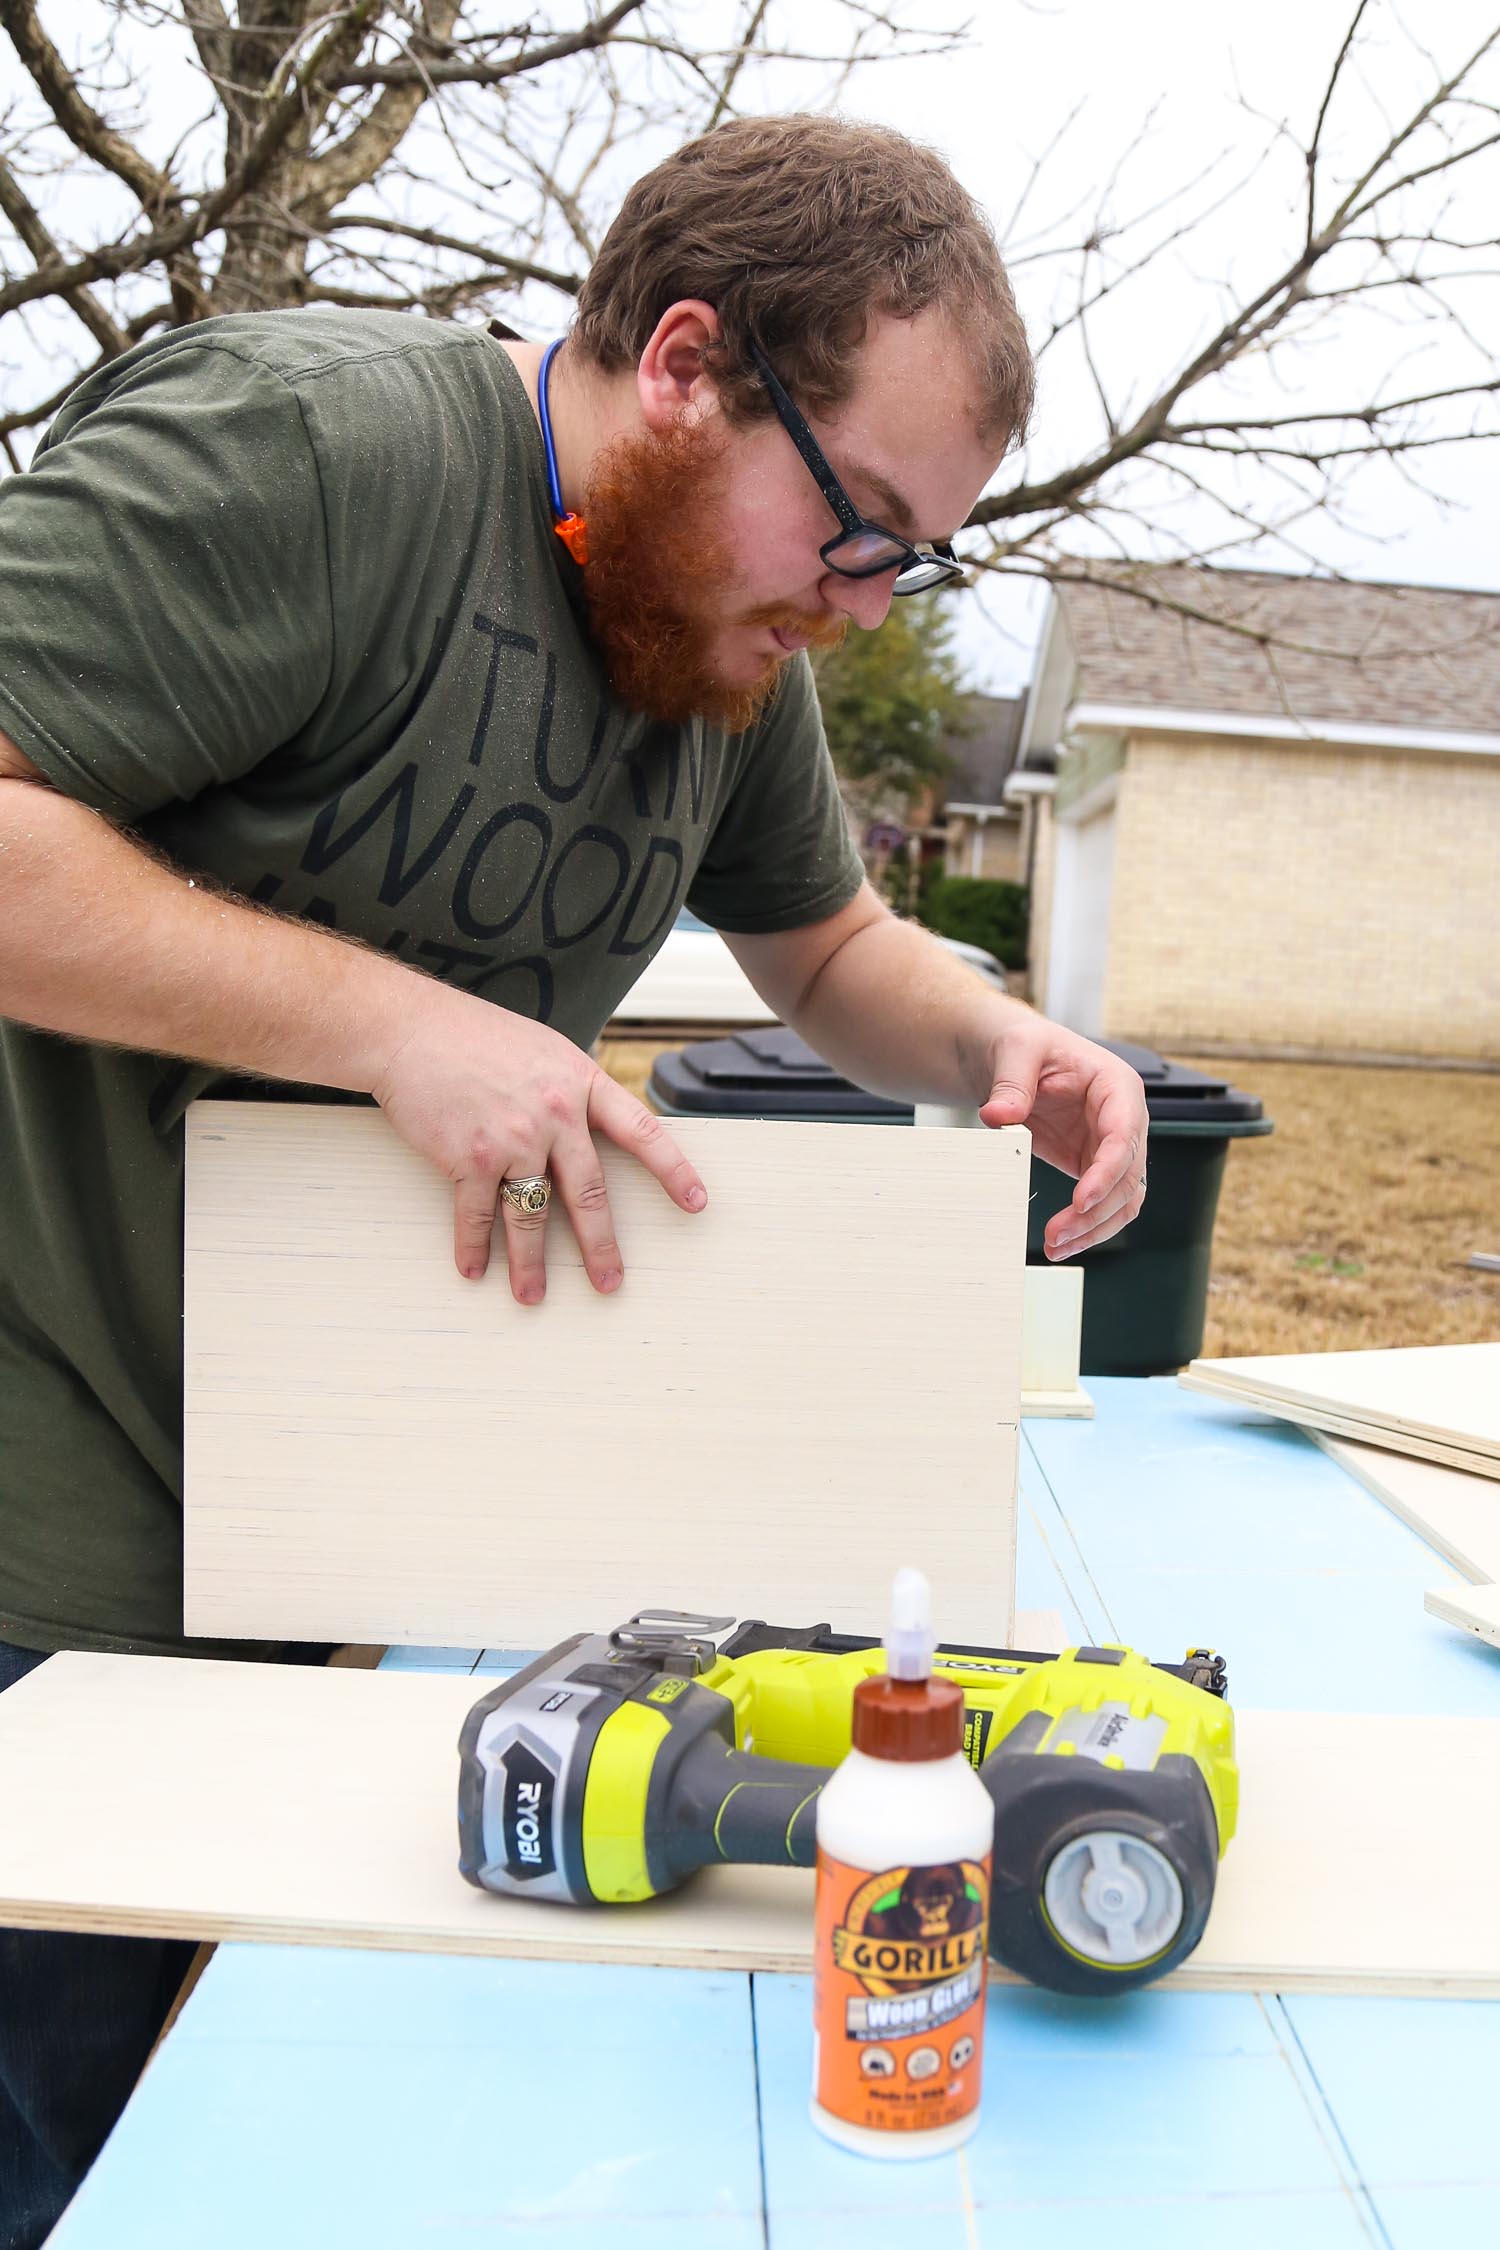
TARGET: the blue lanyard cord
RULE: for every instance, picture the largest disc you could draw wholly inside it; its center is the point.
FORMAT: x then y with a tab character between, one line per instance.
554	483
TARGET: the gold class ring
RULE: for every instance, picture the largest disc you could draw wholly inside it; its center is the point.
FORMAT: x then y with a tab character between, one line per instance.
528	1196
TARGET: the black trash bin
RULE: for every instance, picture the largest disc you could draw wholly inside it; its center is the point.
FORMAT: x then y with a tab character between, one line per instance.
1147	1292
765	1072
1147	1289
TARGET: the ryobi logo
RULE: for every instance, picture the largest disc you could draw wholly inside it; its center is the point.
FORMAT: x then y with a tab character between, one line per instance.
527	1814
528	1822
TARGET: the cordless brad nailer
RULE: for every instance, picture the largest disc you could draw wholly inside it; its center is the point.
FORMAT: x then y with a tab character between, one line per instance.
620	1763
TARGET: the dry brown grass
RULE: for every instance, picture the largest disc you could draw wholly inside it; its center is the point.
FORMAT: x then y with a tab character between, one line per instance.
630	1060
1349	1227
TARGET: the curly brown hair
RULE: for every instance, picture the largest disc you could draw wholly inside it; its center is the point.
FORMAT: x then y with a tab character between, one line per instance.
800	231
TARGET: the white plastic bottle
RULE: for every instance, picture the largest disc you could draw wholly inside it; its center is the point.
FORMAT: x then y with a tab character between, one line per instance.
905	1830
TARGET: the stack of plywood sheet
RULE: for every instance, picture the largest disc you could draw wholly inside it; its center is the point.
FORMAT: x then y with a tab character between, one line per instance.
1420	1429
1454	1512
1439	1402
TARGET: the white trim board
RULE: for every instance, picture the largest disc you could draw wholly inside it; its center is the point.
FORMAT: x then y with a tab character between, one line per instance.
1165	718
1439	1402
1474	1609
284	1803
1454	1511
815	1380
1051	1341
1057	1406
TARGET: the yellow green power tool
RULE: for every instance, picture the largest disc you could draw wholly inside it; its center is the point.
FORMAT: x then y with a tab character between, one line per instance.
619	1763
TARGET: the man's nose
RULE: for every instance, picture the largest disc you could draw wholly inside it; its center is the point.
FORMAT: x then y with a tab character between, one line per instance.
864	601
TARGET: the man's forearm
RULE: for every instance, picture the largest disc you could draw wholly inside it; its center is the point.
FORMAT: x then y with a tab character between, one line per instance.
895	1012
103	942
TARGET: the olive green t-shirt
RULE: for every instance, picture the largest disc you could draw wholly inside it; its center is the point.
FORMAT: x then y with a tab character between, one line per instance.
281	596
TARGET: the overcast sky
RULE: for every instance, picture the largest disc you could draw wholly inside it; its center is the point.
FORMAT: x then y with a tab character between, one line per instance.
1194	72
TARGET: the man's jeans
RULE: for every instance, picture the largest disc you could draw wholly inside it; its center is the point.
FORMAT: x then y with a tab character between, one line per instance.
77	2019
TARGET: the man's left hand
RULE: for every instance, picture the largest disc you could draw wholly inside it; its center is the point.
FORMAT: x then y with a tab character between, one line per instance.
1086	1112
886	1005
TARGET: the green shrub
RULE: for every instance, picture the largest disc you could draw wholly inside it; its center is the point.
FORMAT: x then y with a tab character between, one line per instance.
979	912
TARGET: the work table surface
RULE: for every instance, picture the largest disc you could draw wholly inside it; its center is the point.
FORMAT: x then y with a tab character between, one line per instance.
309	2097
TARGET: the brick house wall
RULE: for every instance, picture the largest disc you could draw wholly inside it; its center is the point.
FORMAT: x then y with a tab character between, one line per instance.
999	841
1331	899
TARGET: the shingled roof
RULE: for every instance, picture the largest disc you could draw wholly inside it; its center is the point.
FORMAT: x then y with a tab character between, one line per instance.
982	756
1342	652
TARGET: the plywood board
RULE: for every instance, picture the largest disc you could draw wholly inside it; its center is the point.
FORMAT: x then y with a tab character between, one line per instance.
190	1799
1439	1402
1454	1511
1339	1425
1057	1406
1474	1609
812	1382
1051	1341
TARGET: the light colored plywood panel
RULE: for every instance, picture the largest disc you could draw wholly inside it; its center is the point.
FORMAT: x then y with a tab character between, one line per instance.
148	1796
1436	1402
1051	1338
1336	1425
1474	1609
815	1380
1455	1511
1057	1406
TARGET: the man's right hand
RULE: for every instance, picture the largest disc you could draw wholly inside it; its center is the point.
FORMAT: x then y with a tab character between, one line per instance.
488	1096
156	962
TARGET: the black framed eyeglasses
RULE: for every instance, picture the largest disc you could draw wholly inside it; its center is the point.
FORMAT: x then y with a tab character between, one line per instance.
861	549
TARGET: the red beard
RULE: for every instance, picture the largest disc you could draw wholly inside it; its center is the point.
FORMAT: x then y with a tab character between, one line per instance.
658	576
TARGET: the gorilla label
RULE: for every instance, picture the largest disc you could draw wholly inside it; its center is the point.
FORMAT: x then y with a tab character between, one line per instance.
899	1992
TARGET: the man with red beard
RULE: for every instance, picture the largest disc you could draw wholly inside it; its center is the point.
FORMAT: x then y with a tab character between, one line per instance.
375	690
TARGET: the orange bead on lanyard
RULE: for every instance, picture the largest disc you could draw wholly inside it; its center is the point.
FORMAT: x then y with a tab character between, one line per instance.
567	523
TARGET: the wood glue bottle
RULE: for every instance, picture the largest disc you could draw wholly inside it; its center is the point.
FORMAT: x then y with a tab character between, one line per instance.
905	1829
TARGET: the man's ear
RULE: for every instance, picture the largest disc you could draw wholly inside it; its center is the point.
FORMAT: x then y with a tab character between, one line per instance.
671	378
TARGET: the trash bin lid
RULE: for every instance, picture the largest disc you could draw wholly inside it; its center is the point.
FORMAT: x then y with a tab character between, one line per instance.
758	1070
769	1068
1177	1095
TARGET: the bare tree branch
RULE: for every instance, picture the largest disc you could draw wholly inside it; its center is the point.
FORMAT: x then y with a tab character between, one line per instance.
478	73
27	221
93	138
737	63
520	269
1323	108
1173	431
1249	325
282	119
83	125
354	161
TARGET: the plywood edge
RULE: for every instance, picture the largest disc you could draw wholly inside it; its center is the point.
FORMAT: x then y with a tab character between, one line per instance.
1308	1418
1057	1406
1475	1610
1240	1379
586	1938
588	1935
1449	1533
